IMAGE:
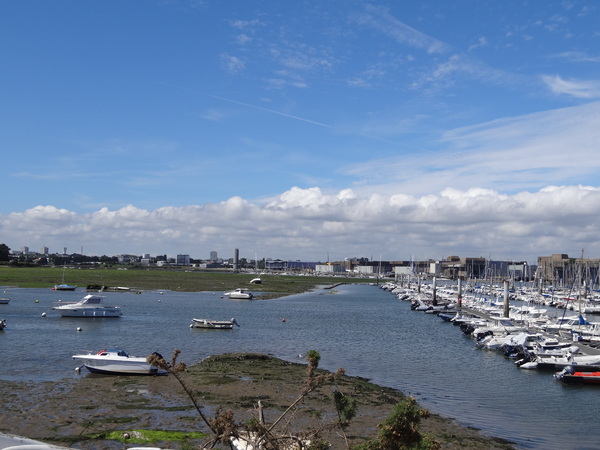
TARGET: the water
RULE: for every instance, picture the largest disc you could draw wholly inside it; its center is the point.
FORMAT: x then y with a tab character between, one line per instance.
363	329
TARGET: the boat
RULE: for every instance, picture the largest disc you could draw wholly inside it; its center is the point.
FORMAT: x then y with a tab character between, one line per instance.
115	361
256	280
582	361
64	287
89	306
214	324
2	324
569	375
4	300
239	293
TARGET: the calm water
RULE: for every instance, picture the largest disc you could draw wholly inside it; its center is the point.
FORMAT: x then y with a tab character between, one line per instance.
363	329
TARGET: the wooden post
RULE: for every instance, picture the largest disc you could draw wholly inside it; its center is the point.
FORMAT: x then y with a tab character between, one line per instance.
506	304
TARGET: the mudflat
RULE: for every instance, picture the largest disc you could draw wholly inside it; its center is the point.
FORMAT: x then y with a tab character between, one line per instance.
80	413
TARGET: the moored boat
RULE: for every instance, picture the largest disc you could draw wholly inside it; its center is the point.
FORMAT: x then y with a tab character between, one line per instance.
239	293
210	324
4	300
570	375
89	306
115	361
64	287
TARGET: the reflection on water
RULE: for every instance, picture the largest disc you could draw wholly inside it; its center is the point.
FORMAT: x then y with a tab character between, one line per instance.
363	329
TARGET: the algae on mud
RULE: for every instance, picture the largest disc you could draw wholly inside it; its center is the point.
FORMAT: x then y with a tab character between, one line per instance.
73	411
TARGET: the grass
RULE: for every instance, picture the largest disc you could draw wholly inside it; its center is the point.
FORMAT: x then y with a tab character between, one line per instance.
146	436
174	279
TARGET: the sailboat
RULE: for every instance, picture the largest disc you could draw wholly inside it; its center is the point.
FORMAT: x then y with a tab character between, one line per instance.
63	286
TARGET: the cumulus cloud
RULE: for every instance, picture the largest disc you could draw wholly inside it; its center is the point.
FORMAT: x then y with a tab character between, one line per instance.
311	224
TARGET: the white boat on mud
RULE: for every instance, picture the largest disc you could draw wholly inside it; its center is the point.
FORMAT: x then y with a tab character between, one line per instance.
89	306
240	293
210	324
115	361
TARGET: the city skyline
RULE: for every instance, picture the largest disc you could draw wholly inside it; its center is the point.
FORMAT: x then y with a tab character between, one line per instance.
392	130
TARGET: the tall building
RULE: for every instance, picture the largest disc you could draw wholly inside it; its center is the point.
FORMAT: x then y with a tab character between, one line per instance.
213	255
44	250
183	260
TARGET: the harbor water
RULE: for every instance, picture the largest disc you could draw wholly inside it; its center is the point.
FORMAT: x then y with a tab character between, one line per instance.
361	328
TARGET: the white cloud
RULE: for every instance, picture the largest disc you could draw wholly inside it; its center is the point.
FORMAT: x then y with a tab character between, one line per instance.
381	19
232	64
309	224
574	88
507	155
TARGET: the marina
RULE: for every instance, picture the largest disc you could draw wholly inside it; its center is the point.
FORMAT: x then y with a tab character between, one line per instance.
366	330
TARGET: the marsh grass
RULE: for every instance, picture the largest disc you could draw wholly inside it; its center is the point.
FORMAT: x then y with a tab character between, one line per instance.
173	279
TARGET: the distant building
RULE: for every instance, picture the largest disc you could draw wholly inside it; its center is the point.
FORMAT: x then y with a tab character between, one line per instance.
329	268
44	250
213	255
284	266
182	260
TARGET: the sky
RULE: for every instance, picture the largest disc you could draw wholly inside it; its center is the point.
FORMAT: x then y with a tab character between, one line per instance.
303	130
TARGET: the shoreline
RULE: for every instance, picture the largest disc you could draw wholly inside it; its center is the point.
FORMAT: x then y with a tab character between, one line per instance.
67	412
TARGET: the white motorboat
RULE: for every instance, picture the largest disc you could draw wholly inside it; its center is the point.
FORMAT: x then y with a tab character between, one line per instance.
239	293
89	306
114	360
214	324
4	300
560	362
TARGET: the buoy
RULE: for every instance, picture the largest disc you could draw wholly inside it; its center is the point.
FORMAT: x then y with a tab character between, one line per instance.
191	325
77	369
78	328
283	320
36	300
159	300
43	314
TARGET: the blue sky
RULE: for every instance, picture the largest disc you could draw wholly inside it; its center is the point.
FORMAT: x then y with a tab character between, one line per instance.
301	130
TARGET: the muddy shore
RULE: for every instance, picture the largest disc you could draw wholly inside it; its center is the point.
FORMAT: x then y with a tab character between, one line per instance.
78	413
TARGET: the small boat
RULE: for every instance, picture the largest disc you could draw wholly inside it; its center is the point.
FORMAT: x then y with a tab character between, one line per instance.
569	375
64	287
115	361
4	300
239	293
214	324
88	306
256	280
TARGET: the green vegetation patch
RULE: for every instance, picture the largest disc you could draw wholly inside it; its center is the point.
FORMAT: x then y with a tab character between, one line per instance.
146	436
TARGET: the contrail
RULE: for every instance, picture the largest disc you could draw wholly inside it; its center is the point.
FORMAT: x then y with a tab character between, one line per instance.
248	105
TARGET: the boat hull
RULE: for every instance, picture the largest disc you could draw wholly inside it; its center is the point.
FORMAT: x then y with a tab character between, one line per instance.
90	312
